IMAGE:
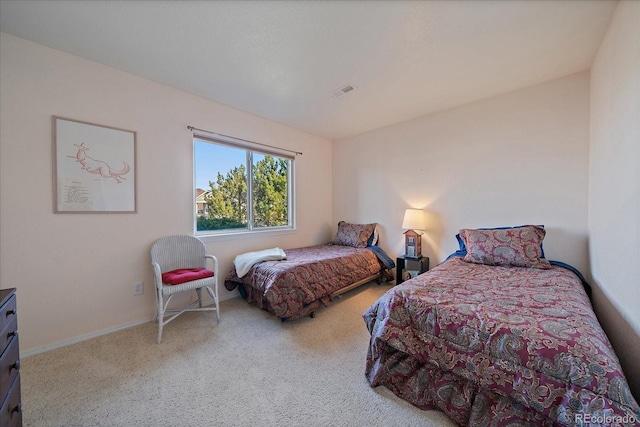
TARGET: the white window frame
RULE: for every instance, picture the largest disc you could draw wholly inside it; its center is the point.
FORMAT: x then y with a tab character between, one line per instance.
250	148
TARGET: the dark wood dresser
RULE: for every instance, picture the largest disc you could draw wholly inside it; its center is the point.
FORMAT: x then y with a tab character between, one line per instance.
11	413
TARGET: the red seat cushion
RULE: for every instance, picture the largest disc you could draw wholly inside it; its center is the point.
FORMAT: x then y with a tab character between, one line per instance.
183	275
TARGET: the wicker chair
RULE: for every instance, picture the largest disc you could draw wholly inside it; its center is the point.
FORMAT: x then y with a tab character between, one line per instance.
179	264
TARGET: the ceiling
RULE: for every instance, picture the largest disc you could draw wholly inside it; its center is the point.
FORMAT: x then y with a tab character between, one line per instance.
283	59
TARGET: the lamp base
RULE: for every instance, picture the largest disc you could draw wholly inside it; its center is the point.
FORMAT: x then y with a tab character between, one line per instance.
418	256
412	244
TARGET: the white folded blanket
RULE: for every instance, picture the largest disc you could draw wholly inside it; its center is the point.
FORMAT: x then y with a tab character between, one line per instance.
244	262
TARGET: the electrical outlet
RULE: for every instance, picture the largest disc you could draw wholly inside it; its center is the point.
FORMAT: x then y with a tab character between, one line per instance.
138	288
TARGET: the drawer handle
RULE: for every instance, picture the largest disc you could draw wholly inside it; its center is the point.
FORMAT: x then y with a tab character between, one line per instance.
10	313
15	366
17	408
12	334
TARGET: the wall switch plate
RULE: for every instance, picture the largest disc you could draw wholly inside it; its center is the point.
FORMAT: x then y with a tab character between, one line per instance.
138	288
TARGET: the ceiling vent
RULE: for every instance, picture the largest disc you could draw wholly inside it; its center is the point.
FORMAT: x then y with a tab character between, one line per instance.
342	91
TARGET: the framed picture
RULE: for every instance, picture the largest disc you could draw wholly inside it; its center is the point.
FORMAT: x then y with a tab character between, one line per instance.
94	168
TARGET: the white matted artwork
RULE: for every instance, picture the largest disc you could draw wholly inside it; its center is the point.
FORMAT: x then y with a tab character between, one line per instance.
94	168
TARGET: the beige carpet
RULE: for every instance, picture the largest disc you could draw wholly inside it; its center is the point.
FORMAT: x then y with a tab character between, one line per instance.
248	370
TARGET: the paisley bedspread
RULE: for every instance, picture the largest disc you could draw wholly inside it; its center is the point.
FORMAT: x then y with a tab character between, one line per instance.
297	286
498	346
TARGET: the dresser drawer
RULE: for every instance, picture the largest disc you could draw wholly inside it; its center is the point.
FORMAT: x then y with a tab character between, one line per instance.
9	366
11	412
10	331
8	312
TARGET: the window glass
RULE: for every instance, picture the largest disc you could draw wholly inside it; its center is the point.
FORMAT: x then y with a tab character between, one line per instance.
238	189
270	191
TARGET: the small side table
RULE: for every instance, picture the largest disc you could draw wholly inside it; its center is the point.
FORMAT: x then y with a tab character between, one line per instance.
411	266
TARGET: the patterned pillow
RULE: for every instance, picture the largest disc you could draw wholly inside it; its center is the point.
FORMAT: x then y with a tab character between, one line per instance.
509	247
463	248
356	235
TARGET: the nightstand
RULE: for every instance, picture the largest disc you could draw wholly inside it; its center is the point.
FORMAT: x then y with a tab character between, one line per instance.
410	267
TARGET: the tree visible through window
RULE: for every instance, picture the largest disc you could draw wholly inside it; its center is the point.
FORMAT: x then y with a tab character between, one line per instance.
238	188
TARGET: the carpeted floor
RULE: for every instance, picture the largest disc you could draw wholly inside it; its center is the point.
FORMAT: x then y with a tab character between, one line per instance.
248	370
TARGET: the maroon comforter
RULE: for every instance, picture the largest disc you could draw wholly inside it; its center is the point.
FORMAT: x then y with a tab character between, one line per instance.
297	286
498	346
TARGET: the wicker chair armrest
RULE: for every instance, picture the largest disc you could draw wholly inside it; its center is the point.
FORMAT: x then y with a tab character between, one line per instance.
157	274
214	260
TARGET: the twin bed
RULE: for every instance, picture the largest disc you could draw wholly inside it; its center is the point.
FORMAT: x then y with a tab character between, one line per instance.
310	277
497	335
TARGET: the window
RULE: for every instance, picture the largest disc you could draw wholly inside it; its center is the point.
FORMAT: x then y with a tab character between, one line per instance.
240	188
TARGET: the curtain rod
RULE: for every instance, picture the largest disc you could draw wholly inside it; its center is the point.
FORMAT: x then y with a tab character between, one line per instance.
191	128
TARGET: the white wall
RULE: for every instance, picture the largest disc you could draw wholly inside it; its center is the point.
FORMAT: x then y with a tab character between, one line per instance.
614	170
614	187
74	272
518	158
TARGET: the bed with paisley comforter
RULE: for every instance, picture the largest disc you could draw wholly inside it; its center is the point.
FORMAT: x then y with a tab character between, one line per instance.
491	342
310	277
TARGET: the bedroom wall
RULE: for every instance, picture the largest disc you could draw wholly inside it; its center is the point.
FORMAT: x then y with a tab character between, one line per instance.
517	158
614	186
74	272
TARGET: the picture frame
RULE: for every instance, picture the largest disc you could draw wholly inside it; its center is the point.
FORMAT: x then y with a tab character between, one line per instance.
94	168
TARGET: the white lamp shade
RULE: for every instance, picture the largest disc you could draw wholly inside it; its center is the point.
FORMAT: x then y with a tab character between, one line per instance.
414	219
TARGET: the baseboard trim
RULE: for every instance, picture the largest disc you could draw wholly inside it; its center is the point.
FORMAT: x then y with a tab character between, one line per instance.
81	338
95	334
